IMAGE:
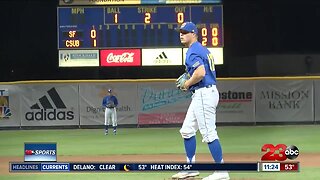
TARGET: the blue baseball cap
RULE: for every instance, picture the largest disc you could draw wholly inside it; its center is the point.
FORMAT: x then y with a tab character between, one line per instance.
189	27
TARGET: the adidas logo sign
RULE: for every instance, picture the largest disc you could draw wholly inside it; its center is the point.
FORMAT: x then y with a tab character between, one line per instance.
47	111
162	58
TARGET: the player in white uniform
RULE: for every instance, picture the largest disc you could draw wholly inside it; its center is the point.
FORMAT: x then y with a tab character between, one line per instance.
201	113
110	102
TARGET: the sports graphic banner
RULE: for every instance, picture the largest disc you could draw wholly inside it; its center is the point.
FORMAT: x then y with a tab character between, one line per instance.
48	105
284	101
34	152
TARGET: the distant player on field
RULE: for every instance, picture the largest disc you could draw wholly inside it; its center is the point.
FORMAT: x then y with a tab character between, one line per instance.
110	102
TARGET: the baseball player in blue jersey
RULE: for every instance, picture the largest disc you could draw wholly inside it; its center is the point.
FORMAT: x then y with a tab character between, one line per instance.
200	79
110	102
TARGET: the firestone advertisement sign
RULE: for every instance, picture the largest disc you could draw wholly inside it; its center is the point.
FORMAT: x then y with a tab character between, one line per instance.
120	57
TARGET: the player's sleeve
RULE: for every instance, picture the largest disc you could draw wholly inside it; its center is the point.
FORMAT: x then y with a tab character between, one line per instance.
195	61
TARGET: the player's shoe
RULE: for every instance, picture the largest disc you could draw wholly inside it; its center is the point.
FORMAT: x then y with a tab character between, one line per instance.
106	133
218	176
185	174
115	132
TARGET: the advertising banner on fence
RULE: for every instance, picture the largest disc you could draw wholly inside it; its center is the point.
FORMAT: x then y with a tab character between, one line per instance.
317	99
49	105
9	106
236	102
92	94
120	57
162	57
284	101
78	58
162	103
216	52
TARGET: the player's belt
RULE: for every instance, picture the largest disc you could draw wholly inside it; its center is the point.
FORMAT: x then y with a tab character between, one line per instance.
199	87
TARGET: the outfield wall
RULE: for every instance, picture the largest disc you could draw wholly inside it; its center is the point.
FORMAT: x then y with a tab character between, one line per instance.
154	102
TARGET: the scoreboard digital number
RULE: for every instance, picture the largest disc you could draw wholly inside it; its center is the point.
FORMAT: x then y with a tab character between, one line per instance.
139	26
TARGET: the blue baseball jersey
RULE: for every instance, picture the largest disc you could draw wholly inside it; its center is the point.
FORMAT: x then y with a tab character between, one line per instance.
196	56
109	100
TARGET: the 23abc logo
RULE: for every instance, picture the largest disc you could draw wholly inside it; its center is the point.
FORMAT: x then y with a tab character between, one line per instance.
280	152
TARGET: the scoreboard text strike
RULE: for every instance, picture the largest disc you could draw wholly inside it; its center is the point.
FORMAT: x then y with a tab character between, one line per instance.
96	27
112	167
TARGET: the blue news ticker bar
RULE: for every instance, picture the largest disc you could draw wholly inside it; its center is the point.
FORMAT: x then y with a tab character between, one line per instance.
63	167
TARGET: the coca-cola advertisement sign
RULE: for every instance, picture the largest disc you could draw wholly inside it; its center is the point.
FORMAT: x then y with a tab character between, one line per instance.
120	57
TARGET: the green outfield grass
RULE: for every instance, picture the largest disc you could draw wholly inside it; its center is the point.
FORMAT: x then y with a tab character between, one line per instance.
160	141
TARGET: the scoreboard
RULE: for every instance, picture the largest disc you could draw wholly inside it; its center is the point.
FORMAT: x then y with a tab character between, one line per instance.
85	26
136	26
